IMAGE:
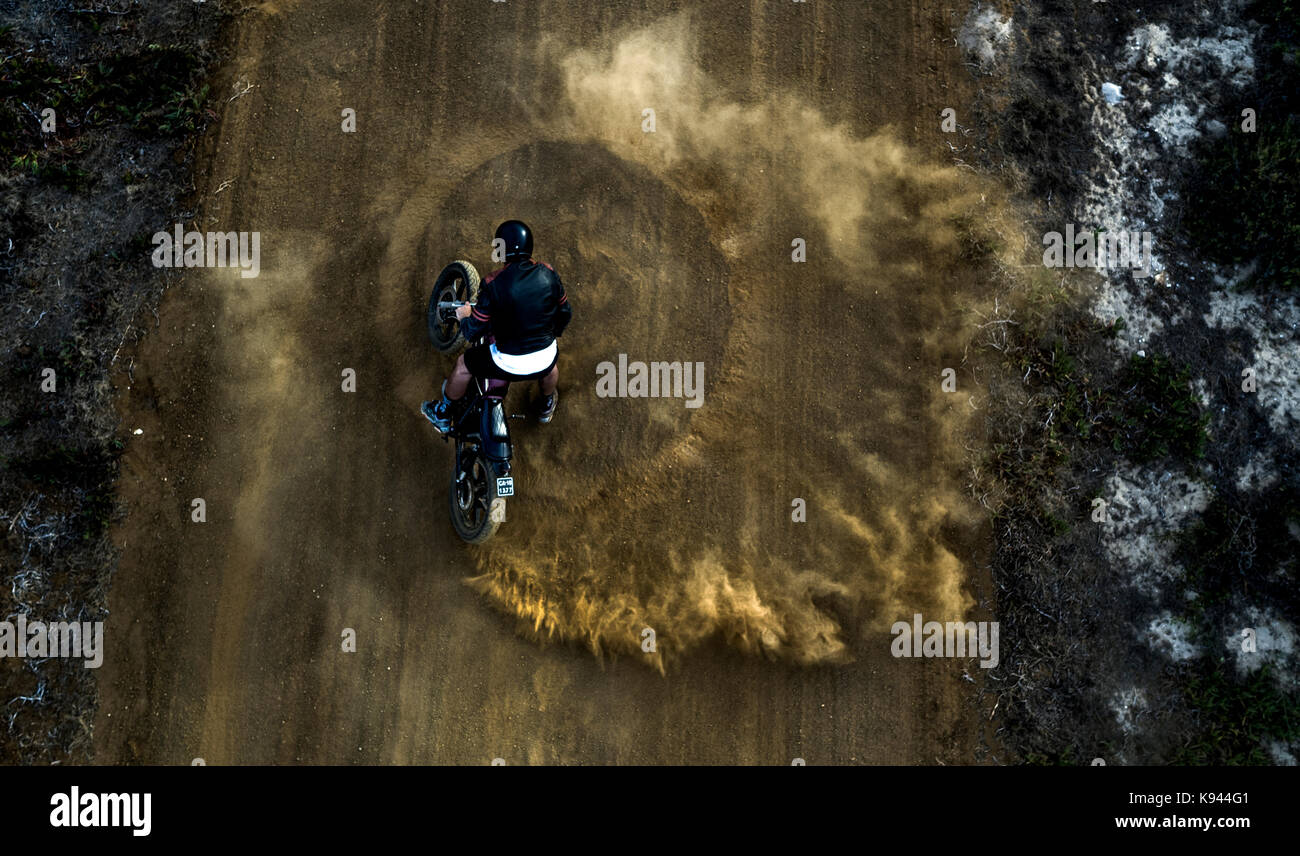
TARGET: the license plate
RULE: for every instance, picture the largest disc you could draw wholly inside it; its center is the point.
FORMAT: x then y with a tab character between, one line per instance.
506	486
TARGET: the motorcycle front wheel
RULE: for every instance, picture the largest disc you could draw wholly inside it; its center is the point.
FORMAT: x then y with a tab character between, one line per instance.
458	282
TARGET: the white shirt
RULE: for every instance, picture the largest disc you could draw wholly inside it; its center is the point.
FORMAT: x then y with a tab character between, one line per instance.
525	364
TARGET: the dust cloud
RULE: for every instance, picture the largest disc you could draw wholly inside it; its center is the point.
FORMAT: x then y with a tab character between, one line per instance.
777	150
823	377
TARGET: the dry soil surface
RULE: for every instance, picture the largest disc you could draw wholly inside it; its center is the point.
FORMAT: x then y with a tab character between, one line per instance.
326	509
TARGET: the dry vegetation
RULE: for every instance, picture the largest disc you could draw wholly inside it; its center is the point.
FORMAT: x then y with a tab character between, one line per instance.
126	83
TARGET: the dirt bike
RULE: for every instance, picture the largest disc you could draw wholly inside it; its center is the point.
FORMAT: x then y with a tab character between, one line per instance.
481	477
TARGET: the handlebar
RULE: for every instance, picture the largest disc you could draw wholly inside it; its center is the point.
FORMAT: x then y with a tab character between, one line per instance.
447	309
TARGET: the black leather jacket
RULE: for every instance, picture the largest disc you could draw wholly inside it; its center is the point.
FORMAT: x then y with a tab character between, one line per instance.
523	306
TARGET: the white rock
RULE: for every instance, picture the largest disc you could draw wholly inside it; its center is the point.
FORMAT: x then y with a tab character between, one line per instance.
983	33
1173	636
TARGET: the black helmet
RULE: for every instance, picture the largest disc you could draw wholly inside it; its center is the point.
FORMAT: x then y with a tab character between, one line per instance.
518	240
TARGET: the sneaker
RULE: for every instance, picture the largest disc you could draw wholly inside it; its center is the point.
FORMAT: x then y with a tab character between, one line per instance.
438	413
546	407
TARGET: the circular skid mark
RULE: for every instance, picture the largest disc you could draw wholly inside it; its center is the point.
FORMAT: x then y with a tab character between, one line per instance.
642	276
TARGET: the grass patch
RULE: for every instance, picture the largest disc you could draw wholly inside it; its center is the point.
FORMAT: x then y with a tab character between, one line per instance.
156	92
977	241
1220	555
1145	412
1244	202
88	475
1158	414
1236	717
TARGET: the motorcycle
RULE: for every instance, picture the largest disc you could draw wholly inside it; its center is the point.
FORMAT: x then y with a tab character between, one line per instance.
481	476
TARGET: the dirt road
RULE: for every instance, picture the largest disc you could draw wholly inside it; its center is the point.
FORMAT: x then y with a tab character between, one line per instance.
326	509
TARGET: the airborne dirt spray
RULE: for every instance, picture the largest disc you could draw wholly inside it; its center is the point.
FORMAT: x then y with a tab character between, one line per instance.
822	376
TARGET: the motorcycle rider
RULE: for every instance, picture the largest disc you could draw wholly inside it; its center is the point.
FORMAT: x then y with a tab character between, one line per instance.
524	308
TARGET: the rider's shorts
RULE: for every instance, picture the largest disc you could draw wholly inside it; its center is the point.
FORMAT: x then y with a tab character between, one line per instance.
478	360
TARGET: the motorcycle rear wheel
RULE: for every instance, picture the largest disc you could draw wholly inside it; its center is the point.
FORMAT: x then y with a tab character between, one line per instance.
472	497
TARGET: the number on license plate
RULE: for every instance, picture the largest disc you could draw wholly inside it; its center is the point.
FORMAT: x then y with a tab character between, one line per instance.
506	486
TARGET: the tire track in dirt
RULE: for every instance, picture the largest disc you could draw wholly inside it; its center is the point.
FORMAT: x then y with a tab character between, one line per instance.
684	532
328	509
